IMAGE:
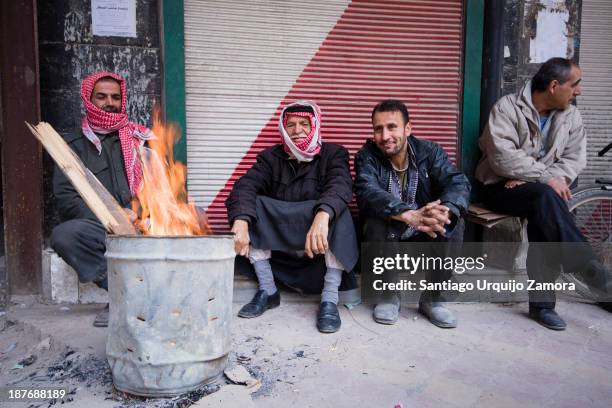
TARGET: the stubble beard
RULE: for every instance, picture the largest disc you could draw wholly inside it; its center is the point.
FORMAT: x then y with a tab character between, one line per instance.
398	149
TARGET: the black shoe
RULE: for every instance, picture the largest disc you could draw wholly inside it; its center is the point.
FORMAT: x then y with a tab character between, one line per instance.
599	279
328	318
259	304
547	318
607	306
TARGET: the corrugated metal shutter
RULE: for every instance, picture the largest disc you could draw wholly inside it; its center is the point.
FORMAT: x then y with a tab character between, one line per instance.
245	60
595	104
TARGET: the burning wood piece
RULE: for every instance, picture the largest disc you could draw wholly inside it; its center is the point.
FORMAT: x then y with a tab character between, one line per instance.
97	198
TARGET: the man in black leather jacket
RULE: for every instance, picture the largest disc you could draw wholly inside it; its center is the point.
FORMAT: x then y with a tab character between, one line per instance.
408	190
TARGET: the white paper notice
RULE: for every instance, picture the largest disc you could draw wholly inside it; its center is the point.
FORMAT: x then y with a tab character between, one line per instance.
116	18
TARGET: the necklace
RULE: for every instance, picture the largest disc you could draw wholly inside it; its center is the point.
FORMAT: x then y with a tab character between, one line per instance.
399	170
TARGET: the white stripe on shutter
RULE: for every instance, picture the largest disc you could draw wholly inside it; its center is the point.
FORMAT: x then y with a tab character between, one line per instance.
595	103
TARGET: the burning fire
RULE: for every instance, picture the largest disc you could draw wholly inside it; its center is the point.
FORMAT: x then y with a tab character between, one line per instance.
162	201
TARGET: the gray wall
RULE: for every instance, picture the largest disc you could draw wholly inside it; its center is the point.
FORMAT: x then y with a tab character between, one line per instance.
69	52
520	26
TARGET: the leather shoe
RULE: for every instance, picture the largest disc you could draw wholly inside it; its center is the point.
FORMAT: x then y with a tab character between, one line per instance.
438	314
259	304
547	318
607	306
599	279
387	311
328	318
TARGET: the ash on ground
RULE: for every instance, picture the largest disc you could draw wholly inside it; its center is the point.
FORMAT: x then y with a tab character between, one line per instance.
84	369
31	359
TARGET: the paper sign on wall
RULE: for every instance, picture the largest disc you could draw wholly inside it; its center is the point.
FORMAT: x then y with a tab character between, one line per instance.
551	38
116	18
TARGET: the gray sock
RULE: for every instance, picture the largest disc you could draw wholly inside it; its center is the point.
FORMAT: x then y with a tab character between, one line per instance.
332	279
263	270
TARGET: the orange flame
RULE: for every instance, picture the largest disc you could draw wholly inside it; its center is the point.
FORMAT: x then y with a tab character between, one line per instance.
161	200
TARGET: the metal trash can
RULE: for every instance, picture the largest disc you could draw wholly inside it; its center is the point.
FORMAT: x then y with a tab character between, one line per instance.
170	311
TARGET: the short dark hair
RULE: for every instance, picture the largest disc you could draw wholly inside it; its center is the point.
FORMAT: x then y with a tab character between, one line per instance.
392	105
554	69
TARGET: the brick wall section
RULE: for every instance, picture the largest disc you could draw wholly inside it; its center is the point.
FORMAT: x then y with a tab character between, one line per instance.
68	52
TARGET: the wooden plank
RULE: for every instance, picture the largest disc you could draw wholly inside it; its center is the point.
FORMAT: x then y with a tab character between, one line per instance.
478	209
21	154
97	198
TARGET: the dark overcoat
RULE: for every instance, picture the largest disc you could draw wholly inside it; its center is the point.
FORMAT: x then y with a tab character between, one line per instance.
326	179
323	184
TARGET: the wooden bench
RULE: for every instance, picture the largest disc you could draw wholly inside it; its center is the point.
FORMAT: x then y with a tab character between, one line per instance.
478	214
508	229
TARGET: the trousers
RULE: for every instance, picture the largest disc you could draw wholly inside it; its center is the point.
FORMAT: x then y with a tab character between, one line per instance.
81	243
331	261
548	221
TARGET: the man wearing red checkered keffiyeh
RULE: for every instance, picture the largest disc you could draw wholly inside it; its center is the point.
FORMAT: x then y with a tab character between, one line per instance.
290	217
106	142
303	149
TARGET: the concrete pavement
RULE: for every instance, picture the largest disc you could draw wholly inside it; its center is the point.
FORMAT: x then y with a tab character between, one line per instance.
497	357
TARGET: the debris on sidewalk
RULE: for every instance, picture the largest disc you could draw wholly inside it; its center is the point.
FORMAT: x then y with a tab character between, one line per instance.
29	360
239	375
243	359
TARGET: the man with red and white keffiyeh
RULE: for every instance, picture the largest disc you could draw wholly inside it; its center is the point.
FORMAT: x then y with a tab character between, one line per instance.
290	217
106	142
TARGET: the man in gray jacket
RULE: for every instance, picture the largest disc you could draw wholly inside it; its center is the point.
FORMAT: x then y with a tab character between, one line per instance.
533	148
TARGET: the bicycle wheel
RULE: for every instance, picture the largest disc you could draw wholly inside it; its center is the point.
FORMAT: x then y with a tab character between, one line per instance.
592	209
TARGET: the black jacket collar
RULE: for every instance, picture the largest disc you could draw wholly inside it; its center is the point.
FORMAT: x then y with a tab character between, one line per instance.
279	151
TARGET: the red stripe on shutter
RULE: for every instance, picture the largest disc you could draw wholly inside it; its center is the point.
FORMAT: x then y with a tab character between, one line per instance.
393	49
